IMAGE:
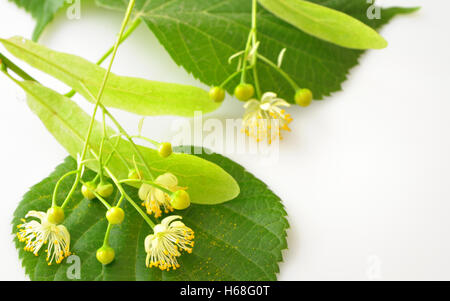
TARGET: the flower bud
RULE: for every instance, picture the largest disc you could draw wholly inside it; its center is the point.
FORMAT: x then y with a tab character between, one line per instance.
105	255
244	92
105	189
135	175
303	97
55	215
180	200
115	215
87	190
165	149
217	94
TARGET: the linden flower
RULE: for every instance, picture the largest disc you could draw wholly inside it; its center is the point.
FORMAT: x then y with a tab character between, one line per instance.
265	119
154	198
36	234
170	238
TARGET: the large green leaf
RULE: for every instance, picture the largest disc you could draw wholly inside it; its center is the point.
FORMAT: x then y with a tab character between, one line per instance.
136	95
326	23
43	11
201	35
239	240
68	123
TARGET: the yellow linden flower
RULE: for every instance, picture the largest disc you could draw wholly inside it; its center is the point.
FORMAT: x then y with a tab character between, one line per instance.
35	234
265	119
154	198
170	238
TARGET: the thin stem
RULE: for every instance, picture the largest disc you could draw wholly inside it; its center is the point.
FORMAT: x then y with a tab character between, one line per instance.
246	52
129	199
281	71
108	232
232	76
121	157
146	139
99	96
129	31
55	190
123	132
16	69
102	143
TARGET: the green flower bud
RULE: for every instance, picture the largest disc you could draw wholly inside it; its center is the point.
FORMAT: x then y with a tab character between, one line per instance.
115	215
180	200
135	175
303	97
244	92
55	215
165	149
87	190
217	94
105	189
105	255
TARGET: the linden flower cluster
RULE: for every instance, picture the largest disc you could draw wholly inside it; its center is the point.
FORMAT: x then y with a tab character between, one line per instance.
154	199
163	195
265	119
165	245
46	232
160	196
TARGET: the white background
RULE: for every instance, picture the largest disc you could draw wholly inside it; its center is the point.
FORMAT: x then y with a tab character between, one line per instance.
364	175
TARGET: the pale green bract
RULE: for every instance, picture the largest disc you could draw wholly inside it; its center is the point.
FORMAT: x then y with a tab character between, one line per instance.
207	183
326	23
135	95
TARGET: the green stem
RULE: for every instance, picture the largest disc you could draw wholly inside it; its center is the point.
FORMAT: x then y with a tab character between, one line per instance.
55	190
123	132
108	231
129	199
16	69
129	31
99	96
232	76
102	143
281	71
146	139
121	157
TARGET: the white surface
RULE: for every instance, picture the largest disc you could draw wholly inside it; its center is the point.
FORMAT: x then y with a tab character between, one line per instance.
364	175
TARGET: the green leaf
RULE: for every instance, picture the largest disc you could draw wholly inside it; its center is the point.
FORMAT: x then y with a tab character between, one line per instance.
325	23
239	240
201	35
207	183
136	95
43	11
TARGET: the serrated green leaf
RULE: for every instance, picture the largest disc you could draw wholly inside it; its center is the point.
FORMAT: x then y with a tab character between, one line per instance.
43	11
136	95
201	35
326	24
238	240
207	183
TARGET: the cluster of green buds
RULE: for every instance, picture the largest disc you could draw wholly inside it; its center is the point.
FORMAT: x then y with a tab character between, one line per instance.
261	110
